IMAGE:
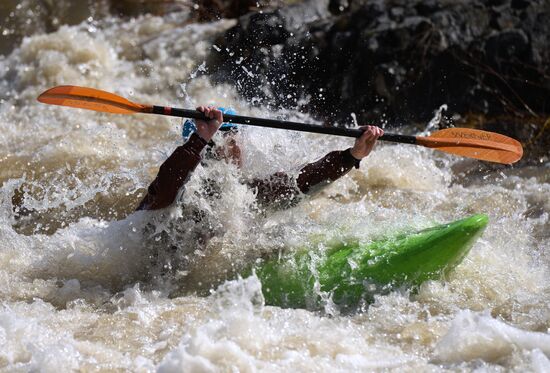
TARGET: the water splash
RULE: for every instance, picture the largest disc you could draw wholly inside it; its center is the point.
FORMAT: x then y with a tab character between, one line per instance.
78	273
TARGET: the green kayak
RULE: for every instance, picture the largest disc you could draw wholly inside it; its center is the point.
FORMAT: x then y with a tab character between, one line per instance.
352	273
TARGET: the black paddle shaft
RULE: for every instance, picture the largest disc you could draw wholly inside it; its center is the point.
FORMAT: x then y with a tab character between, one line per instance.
273	123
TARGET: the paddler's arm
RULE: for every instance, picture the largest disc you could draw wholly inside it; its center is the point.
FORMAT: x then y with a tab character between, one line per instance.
338	163
172	174
280	189
175	171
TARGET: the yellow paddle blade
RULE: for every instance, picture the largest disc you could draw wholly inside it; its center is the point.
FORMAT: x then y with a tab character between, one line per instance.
478	144
90	99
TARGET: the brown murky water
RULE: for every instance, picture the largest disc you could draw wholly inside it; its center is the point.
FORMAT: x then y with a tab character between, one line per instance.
76	289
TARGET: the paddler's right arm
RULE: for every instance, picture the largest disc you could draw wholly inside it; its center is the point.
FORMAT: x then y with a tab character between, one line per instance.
175	171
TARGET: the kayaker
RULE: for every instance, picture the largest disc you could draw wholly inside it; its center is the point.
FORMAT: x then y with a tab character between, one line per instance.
279	188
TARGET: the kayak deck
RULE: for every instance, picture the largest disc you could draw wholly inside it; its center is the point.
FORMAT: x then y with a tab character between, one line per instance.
351	273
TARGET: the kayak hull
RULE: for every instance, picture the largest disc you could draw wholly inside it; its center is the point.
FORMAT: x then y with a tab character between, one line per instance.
352	273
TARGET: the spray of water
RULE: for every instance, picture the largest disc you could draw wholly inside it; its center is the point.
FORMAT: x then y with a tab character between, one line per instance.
87	282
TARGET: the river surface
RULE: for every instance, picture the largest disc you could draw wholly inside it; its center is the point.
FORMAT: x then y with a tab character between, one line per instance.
80	287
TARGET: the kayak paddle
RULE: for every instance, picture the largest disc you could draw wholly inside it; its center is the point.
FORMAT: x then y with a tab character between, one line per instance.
471	143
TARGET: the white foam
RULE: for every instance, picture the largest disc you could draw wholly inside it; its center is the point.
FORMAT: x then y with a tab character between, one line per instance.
243	335
479	336
75	265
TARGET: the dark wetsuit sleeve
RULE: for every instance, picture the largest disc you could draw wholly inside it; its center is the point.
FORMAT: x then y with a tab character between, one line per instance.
281	189
173	173
326	170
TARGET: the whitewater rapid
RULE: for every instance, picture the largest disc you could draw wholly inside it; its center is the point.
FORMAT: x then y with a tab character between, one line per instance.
76	289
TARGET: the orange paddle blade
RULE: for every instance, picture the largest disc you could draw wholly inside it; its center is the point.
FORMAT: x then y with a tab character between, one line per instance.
478	144
91	99
487	146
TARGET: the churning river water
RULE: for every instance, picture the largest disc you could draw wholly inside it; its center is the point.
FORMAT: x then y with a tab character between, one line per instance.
78	289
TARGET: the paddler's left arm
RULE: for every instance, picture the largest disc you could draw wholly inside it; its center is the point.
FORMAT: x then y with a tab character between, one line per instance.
280	189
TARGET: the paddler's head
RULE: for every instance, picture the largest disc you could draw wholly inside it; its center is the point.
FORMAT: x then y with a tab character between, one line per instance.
225	148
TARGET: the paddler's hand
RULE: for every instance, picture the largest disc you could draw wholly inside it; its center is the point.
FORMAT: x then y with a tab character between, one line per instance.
364	144
207	129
